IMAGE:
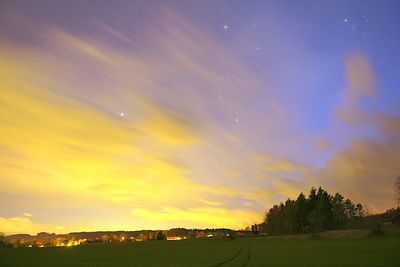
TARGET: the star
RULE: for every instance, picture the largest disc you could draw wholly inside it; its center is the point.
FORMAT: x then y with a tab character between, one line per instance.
122	114
346	20
226	27
237	120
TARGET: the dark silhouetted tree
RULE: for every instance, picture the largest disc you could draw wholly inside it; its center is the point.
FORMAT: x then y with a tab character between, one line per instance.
3	241
349	209
319	212
323	210
160	236
338	209
397	187
302	211
359	212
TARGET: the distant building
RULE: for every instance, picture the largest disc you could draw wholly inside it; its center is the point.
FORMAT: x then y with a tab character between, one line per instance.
176	237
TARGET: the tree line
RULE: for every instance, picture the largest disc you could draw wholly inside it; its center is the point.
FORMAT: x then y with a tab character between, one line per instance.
319	211
3	242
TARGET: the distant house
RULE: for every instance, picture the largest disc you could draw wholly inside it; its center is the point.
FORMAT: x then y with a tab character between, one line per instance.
176	237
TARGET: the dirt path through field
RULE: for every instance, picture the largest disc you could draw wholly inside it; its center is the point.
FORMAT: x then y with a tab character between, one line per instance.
240	258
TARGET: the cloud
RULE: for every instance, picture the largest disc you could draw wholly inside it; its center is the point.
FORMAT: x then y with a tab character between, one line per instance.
365	171
388	125
273	164
365	168
200	217
360	76
361	83
14	225
62	144
63	140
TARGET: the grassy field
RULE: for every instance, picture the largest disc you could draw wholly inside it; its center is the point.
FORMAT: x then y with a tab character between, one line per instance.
239	252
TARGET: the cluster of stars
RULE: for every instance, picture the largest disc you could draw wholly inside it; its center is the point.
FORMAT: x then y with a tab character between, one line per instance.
352	26
348	24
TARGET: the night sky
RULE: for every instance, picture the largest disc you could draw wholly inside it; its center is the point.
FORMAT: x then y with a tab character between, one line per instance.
158	114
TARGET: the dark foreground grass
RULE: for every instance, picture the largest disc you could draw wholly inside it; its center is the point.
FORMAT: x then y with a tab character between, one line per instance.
326	252
150	253
239	252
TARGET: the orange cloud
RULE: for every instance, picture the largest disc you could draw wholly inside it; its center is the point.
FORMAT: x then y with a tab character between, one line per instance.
361	82
360	76
365	171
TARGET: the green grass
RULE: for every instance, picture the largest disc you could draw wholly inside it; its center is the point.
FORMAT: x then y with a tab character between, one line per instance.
239	252
326	252
150	253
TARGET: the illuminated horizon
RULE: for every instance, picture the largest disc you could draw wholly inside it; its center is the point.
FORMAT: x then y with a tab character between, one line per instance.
136	115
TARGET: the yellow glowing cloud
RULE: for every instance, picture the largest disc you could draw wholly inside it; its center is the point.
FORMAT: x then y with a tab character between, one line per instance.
201	217
268	165
57	143
14	225
60	140
63	141
160	127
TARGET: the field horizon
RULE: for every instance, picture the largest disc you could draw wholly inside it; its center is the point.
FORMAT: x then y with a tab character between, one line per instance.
254	251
